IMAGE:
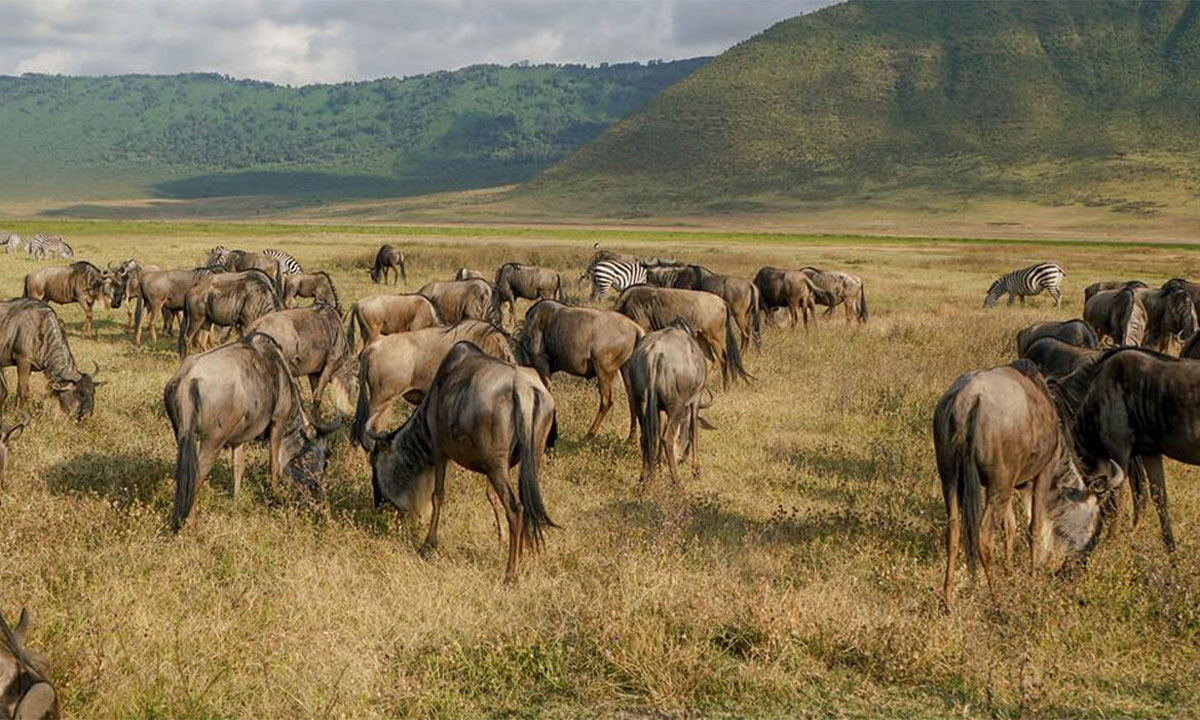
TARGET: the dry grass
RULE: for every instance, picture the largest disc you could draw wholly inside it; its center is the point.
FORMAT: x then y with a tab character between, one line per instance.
797	578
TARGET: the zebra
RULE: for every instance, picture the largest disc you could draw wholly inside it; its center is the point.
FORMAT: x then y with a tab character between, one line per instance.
1027	281
41	246
288	265
616	275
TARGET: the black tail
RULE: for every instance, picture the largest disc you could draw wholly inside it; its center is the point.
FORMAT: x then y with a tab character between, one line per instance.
756	315
527	483
358	429
648	418
863	313
351	322
970	490
184	324
733	357
559	295
187	461
137	313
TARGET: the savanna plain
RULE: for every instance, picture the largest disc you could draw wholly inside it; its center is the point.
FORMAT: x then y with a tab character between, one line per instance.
798	577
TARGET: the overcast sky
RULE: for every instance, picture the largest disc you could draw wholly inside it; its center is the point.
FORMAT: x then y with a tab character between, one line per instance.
331	41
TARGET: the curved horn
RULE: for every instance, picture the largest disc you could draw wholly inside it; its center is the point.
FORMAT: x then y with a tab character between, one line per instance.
1117	479
112	265
97	370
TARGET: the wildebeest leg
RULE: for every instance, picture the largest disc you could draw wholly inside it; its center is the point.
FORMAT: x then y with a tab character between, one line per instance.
995	501
1039	529
1137	486
671	443
953	530
1010	532
795	315
169	317
497	508
516	518
632	409
694	431
24	367
1158	488
604	384
275	445
439	494
87	317
317	384
239	465
3	392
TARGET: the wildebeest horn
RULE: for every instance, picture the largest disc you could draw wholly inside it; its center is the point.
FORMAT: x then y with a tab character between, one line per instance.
329	426
97	370
1117	478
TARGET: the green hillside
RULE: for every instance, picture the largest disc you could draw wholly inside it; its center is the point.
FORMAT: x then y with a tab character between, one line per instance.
189	136
1042	100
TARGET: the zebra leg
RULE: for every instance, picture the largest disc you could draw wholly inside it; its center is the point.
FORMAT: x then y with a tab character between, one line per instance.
1057	295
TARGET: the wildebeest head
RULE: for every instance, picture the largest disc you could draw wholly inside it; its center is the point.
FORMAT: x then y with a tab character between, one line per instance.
25	689
7	437
116	283
77	398
308	451
1182	313
1074	511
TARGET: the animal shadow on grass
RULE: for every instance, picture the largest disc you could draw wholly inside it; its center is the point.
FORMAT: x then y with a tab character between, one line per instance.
121	478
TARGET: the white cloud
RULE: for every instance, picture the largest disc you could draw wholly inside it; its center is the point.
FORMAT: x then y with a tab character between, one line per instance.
49	62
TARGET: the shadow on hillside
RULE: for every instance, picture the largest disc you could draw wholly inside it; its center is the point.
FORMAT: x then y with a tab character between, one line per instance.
121	478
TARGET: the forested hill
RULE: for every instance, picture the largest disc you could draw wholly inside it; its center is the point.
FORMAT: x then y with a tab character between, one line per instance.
202	135
1030	99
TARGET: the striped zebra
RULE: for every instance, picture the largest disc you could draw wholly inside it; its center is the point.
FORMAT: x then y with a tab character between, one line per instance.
1027	281
42	246
288	265
615	275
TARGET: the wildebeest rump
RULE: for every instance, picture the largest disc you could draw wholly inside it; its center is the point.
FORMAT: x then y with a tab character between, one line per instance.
486	415
389	314
32	338
1096	287
707	314
317	285
1075	332
404	365
164	291
1056	358
230	300
1117	314
739	293
584	342
457	300
527	282
997	431
233	395
79	282
842	287
314	344
464	273
389	258
25	689
791	289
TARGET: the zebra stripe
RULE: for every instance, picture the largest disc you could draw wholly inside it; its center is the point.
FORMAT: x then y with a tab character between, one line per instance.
287	264
42	245
616	275
1027	282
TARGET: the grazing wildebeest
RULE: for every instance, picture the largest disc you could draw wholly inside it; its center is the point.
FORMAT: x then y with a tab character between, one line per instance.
32	338
25	689
405	364
1192	290
317	285
11	242
390	314
1170	314
80	282
389	259
1096	287
528	282
164	291
486	415
230	300
708	315
464	273
1076	332
233	395
314	344
1056	358
584	342
7	438
457	300
1117	314
791	289
1131	407
998	431
739	293
840	287
666	375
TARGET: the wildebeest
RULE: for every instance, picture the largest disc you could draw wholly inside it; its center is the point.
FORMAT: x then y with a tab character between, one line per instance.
840	287
707	314
666	376
1075	332
1170	314
230	300
998	431
230	396
164	291
739	293
389	314
11	242
80	282
464	273
1131	407
791	289
457	300
314	344
486	415
25	689
1056	358
528	282
584	342
1096	287
1191	288
1117	314
404	365
243	260
32	338
7	438
389	259
124	279
317	285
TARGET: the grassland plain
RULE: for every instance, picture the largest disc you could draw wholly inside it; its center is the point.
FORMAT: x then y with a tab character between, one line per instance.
795	579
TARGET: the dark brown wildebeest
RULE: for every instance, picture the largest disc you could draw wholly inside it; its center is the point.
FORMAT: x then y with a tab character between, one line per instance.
390	314
7	438
1118	315
233	395
457	300
80	282
389	259
1096	287
842	287
666	375
1191	349
464	273
791	289
129	274
708	315
25	689
486	415
584	342
998	431
1056	358
317	285
1075	332
740	294
243	260
164	291
1132	406
32	338
1192	289
229	300
314	344
528	282
1170	314
405	364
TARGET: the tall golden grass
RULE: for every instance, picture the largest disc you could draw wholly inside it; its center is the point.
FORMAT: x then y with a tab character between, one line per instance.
798	577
